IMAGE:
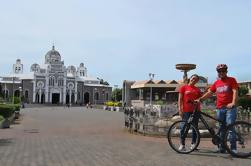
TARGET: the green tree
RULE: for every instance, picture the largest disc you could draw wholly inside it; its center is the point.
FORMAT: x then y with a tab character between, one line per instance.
102	81
1	90
243	90
117	94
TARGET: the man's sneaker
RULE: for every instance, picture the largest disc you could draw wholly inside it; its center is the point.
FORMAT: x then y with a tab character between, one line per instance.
220	151
182	148
234	151
192	147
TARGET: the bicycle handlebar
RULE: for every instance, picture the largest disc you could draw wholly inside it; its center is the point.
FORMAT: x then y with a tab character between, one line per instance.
193	102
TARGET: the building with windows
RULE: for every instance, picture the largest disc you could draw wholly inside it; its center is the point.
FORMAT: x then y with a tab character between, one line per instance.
140	93
54	83
246	84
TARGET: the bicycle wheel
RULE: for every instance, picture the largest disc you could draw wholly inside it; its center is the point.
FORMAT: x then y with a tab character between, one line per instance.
237	139
183	137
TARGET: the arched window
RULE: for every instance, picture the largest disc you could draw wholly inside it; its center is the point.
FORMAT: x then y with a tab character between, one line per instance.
26	94
6	93
37	97
96	96
16	93
60	81
107	96
78	95
51	81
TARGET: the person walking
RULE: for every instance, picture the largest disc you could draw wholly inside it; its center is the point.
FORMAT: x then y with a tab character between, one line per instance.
226	90
187	95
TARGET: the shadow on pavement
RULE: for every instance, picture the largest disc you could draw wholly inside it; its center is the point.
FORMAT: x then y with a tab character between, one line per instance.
211	153
6	141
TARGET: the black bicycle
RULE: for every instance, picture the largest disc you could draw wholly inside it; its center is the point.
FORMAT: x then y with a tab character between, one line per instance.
184	136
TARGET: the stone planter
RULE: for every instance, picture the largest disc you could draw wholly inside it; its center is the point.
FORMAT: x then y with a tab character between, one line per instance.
117	109
6	124
111	108
105	107
16	114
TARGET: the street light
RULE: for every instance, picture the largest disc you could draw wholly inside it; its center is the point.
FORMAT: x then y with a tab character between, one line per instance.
94	96
20	92
103	93
13	81
116	86
151	76
5	89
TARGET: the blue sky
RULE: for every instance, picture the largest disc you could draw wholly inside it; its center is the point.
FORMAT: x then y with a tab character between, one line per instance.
127	39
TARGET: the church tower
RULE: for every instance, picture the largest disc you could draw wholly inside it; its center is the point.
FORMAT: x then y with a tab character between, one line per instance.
18	67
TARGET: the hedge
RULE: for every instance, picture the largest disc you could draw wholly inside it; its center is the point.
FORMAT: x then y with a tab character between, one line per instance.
1	118
244	102
112	103
6	110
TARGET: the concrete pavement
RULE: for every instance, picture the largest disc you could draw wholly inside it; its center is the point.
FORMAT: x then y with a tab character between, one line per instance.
58	136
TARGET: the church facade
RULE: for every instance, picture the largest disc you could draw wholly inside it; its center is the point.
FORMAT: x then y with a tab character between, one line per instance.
54	83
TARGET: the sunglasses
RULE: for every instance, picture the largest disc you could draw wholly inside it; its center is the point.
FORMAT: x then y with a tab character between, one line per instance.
221	71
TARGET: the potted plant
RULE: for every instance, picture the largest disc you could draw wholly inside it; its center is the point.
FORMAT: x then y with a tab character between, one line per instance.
6	111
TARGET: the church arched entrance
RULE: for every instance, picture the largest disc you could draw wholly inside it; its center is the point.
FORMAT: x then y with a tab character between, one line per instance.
67	98
37	98
86	98
72	98
55	98
42	98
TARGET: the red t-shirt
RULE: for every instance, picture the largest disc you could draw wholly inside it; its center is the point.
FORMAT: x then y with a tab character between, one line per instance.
224	91
190	93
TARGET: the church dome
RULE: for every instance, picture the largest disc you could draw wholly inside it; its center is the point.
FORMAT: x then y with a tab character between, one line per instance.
52	56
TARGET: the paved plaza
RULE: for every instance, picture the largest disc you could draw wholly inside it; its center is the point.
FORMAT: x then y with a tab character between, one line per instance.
58	136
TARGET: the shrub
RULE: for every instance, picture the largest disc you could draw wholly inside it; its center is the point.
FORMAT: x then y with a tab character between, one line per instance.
160	102
244	102
1	118
17	107
6	110
112	103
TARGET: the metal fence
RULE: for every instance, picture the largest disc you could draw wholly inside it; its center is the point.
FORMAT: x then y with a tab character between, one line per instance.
156	120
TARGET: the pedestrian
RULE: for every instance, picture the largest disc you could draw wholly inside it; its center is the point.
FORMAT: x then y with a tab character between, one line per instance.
187	95
226	90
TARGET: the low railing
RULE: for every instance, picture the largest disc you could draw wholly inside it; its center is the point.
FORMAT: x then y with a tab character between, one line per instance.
157	120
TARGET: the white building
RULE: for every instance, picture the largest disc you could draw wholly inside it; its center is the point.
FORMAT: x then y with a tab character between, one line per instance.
53	82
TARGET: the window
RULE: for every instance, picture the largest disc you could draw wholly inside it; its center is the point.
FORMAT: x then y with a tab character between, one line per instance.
107	96
60	81
26	94
6	93
96	96
51	81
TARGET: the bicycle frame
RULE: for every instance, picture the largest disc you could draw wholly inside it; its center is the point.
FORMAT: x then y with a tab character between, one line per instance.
197	114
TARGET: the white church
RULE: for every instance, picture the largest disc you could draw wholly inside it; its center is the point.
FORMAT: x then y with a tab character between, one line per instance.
54	83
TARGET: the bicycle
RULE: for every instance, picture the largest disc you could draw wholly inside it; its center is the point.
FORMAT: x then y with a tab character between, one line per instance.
240	131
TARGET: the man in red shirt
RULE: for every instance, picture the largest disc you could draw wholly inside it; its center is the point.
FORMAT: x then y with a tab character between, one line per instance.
225	89
187	94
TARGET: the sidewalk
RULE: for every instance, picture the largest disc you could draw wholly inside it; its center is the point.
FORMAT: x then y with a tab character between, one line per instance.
58	136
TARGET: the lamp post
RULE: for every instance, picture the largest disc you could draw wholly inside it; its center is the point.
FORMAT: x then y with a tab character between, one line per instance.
5	89
13	81
103	93
20	92
94	96
151	76
115	93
